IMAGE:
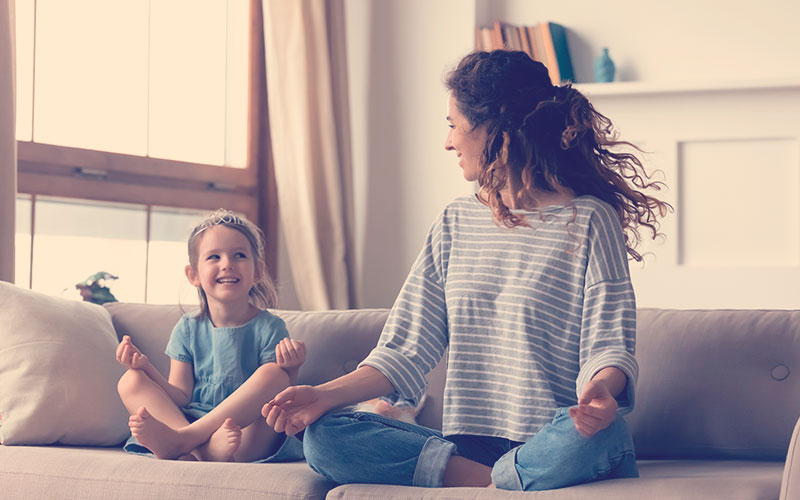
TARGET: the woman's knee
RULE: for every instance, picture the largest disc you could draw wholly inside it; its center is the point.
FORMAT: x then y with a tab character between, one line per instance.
559	456
322	446
320	438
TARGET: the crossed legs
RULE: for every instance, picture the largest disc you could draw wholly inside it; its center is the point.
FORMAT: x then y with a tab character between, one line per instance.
234	430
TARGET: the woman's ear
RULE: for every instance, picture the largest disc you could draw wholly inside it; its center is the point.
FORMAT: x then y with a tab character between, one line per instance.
191	275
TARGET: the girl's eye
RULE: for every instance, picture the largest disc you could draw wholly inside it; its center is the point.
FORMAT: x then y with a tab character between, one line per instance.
241	255
212	257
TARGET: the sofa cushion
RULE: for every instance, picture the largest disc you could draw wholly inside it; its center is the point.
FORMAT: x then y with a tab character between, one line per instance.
149	327
659	480
716	383
105	474
58	374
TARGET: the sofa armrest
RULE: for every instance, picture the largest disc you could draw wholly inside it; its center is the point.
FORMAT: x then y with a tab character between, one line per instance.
790	486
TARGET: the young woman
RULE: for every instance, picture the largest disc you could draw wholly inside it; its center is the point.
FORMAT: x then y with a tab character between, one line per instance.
525	285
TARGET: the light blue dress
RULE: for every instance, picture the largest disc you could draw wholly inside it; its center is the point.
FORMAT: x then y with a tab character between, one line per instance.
222	359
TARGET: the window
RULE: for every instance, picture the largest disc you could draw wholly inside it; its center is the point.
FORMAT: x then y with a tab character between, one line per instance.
136	101
134	120
61	242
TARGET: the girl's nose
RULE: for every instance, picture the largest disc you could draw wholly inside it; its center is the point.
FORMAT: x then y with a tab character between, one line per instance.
448	143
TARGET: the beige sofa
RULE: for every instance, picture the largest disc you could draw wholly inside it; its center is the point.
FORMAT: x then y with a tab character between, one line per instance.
717	402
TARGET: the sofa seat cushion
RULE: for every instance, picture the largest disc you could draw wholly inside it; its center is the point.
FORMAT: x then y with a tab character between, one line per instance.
110	473
660	480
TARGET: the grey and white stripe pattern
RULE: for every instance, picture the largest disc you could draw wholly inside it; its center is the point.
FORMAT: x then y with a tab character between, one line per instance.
527	315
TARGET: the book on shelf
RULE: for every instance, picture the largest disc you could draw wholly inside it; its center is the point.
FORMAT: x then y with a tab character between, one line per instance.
511	37
558	36
550	53
526	41
536	43
497	35
545	42
485	35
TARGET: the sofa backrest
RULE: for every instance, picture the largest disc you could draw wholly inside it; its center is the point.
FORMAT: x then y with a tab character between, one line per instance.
711	383
337	341
716	383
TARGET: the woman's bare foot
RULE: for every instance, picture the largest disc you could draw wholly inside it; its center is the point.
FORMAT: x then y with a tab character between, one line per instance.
164	441
222	444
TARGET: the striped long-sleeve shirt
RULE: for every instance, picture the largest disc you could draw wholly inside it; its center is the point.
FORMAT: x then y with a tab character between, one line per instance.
526	315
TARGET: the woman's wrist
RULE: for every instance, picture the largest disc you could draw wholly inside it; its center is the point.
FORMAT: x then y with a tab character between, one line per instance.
613	379
363	384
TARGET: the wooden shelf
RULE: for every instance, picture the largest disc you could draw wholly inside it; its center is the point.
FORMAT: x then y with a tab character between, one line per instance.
653	88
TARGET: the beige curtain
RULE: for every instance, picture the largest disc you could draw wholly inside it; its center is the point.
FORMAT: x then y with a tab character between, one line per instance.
8	143
306	89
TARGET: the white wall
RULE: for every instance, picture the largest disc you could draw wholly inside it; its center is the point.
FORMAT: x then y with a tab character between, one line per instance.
398	52
674	40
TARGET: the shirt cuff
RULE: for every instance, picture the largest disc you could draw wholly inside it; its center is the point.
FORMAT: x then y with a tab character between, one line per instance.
620	359
408	380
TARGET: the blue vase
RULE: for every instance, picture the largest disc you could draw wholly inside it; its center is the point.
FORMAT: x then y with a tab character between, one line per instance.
604	68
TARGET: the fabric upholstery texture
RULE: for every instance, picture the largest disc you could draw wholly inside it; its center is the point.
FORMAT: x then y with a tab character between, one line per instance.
716	383
713	418
58	374
660	480
110	473
790	487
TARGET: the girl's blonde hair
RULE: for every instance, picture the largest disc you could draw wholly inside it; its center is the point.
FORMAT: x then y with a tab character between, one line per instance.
263	293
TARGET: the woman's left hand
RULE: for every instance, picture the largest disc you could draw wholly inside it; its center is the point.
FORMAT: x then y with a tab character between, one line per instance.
596	409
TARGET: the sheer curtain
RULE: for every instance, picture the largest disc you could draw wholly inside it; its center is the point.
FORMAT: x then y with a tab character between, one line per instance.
309	126
8	143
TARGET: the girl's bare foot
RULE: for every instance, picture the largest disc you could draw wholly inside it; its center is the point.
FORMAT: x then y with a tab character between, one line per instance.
222	444
164	441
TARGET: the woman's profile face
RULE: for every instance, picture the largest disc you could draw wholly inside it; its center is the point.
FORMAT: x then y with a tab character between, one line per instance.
468	143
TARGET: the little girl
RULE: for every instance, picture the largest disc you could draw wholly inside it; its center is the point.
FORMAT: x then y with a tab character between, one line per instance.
227	360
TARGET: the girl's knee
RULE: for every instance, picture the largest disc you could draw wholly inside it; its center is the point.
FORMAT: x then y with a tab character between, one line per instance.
131	381
270	374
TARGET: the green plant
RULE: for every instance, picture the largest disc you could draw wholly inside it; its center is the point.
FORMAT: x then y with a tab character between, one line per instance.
93	289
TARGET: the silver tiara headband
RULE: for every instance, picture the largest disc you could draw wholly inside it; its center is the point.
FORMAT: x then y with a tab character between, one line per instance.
221	216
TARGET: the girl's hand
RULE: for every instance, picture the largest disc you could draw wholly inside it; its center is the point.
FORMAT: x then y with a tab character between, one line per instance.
295	408
129	356
290	354
596	409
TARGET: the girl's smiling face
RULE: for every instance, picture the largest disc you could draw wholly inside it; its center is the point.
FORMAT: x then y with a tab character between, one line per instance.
226	269
467	141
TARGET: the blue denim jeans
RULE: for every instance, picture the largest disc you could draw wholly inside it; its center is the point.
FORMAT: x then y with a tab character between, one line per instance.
558	456
367	448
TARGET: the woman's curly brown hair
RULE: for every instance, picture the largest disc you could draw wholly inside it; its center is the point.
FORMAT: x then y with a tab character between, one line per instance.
541	136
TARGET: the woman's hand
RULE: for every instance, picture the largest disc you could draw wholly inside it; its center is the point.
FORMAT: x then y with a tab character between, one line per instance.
290	354
295	408
129	356
596	409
